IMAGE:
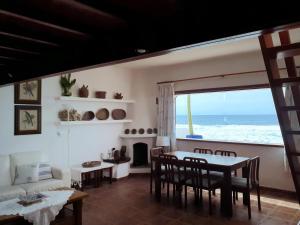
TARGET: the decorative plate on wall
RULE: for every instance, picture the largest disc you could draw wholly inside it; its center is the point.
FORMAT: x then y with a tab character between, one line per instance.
118	114
89	115
149	131
141	131
127	131
133	131
102	114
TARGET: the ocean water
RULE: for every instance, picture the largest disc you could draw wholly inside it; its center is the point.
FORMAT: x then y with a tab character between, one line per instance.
262	129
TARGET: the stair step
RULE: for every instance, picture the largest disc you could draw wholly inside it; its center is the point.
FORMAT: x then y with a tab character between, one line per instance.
289	80
284	51
290	108
292	132
293	153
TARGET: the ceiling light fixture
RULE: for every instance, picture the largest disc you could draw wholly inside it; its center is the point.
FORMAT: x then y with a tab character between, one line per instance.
141	50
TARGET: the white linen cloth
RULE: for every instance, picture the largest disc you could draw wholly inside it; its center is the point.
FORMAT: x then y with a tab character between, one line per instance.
166	113
40	213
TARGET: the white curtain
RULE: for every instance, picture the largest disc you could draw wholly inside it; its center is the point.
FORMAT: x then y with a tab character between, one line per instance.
166	113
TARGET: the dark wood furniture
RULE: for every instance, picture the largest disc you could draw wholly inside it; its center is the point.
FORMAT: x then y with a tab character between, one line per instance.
215	163
76	200
248	183
225	153
171	172
154	152
203	150
218	174
197	176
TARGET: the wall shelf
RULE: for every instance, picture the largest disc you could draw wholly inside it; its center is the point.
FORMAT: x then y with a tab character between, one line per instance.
92	122
78	99
138	135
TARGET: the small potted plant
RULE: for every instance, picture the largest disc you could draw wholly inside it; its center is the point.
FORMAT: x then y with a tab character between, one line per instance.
66	84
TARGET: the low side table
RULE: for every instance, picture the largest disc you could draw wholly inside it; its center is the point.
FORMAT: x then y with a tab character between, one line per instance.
83	176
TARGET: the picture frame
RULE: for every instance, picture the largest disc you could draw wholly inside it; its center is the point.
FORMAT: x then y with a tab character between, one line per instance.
28	120
28	92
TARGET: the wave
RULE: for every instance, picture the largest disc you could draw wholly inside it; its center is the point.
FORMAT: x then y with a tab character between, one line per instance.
263	134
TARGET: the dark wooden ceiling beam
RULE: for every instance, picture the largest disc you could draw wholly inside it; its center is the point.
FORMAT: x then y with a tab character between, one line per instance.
78	13
35	28
16	38
18	51
4	58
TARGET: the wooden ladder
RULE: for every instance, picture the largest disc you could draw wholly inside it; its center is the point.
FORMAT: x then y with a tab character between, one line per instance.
285	108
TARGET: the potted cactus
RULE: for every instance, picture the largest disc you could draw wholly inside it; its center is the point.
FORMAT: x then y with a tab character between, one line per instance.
66	84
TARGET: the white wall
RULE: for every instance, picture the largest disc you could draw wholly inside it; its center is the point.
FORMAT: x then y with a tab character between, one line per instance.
84	142
87	142
273	172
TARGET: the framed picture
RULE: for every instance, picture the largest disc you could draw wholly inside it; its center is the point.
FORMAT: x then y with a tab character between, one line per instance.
28	92
27	120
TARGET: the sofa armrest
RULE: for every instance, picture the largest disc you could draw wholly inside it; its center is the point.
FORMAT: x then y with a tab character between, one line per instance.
62	174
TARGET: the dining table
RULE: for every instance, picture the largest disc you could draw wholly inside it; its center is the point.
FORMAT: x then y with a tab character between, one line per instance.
224	164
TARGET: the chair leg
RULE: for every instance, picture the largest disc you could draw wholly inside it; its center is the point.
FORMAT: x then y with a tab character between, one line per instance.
201	195
185	196
174	190
236	195
195	195
258	198
168	189
249	205
209	199
233	197
151	183
214	192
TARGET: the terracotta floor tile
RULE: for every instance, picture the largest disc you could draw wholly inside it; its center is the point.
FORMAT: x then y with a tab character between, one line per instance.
128	202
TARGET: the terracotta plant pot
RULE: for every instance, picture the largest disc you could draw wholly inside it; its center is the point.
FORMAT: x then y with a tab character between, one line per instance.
84	91
100	94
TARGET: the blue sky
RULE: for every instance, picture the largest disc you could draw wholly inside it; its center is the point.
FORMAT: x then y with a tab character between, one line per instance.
245	102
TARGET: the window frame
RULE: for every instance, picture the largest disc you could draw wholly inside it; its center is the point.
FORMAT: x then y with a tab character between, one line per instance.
220	89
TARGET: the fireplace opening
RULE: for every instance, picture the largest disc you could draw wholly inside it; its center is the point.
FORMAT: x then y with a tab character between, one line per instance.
140	154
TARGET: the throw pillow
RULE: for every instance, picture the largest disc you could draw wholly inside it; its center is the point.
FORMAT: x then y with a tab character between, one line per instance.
45	171
27	174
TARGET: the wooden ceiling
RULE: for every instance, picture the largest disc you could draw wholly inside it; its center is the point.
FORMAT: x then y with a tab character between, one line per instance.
43	37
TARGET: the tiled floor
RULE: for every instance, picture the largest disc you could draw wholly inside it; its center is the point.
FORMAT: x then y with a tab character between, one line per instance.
129	202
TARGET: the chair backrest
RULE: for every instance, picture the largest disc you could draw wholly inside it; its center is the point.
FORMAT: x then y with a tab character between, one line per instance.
253	171
225	153
203	151
193	169
155	152
170	165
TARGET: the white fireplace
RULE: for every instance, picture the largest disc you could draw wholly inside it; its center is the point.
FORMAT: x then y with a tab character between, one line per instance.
129	140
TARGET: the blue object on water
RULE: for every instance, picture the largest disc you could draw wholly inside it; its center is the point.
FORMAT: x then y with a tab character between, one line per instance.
194	136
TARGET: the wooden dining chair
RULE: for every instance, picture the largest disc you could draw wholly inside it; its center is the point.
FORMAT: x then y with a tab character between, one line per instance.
225	153
172	173
203	151
199	180
220	174
250	182
154	154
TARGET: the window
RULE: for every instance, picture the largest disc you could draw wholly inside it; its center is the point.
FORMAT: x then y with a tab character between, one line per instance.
235	116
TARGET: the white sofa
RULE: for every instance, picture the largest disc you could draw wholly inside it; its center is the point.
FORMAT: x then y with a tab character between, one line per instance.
8	163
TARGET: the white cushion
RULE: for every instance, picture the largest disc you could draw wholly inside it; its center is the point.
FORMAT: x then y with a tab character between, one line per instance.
43	185
5	170
27	174
23	158
10	192
45	171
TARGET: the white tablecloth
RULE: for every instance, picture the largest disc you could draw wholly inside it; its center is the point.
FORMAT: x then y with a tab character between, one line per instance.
40	213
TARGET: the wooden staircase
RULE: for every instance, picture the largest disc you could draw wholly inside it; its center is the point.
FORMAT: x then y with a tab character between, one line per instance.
286	95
